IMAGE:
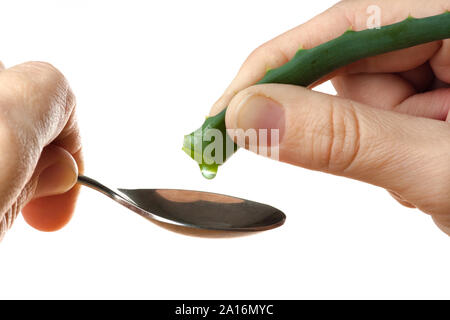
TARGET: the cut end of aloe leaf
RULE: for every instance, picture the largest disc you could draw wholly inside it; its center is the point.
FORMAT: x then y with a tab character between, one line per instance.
209	171
210	146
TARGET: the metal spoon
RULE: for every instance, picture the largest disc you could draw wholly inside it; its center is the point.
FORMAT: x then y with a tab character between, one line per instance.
195	209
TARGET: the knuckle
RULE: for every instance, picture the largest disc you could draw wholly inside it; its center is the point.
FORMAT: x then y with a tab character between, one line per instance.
44	76
45	69
346	10
256	56
9	216
258	51
45	94
343	138
269	55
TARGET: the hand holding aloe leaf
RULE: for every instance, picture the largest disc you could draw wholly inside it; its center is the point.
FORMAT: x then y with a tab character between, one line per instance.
388	126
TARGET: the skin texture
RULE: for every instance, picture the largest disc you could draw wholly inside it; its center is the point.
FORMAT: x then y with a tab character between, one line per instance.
388	126
40	147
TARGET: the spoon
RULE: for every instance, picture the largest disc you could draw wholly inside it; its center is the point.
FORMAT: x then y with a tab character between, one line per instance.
193	209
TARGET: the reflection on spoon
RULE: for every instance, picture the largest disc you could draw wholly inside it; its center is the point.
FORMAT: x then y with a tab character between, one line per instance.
192	196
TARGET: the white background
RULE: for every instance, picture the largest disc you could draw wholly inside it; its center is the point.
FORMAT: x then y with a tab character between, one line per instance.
145	73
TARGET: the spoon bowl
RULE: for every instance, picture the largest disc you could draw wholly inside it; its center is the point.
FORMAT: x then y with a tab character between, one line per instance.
194	209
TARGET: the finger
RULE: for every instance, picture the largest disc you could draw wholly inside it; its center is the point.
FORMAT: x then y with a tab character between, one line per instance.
432	104
54	174
51	213
329	25
395	88
440	63
35	105
2	66
382	91
420	78
53	205
408	155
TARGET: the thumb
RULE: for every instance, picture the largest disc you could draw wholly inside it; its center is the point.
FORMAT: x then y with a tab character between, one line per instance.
408	155
56	173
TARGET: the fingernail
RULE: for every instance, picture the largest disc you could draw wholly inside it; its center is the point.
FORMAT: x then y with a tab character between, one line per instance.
56	179
256	111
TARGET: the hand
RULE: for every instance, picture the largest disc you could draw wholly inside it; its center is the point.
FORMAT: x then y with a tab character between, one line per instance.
388	126
40	150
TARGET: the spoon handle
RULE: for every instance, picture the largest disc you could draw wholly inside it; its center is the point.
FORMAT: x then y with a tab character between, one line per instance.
94	184
116	195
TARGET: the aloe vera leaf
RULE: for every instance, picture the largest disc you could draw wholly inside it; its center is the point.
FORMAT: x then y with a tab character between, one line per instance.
308	66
